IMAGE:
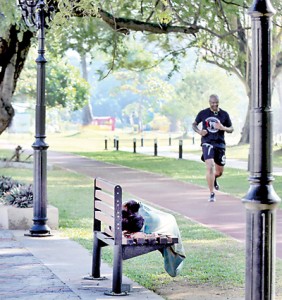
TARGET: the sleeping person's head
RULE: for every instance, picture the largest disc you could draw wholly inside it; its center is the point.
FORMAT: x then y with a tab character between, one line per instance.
131	220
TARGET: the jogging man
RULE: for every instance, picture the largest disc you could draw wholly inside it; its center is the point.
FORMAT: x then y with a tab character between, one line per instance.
215	122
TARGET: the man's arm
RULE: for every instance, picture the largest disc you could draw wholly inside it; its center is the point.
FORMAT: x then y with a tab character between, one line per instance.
202	132
229	129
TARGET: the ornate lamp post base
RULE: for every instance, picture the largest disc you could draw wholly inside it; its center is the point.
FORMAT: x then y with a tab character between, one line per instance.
39	230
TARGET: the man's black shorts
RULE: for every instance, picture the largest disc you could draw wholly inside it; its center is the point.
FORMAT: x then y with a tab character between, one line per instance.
218	154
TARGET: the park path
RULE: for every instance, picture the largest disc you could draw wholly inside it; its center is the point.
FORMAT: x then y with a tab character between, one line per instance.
226	215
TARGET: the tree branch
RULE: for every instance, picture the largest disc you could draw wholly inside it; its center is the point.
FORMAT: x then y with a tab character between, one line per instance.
124	25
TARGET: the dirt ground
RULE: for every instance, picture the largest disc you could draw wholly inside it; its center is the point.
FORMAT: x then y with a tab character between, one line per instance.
203	292
176	291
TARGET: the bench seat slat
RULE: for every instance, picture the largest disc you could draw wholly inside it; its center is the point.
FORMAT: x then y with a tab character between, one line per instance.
172	239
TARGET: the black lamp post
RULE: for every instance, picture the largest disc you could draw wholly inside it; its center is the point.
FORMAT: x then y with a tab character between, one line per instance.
261	200
34	14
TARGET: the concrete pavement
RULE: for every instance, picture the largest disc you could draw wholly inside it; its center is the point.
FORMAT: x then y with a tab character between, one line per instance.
52	268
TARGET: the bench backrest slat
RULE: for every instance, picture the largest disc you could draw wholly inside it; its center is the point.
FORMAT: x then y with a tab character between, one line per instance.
100	205
106	219
104	184
101	195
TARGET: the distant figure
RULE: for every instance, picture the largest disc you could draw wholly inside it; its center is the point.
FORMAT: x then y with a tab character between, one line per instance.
155	221
17	154
215	122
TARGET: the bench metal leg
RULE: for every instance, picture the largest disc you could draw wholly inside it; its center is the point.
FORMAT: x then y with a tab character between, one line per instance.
117	269
117	273
96	257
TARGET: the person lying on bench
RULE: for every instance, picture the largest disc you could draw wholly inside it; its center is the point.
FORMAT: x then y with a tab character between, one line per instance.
140	218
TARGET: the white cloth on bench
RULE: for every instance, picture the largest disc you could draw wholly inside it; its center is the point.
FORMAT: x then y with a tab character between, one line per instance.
157	221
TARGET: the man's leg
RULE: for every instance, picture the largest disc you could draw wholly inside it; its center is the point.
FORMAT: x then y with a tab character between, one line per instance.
219	158
210	173
218	173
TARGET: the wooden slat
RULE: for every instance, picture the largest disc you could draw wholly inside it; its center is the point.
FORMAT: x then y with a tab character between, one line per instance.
104	207
127	241
104	184
139	241
104	197
162	239
151	241
172	239
104	218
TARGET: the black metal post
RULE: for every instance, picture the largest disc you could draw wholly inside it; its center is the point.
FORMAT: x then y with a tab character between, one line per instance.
169	140
261	200
134	145
117	143
155	147
34	14
142	141
180	149
106	143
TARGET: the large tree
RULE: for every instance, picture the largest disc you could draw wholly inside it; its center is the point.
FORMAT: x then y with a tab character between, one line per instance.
219	29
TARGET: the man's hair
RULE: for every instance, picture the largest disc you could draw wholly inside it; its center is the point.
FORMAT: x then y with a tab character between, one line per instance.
214	96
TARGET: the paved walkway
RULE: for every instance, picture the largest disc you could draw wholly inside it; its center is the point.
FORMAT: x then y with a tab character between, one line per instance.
53	268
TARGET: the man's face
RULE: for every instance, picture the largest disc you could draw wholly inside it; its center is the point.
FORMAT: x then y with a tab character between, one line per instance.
214	104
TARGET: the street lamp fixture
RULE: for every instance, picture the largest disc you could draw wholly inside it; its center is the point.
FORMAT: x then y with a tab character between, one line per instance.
36	14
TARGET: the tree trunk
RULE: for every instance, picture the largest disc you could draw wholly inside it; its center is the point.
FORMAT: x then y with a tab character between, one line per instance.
13	53
245	133
87	115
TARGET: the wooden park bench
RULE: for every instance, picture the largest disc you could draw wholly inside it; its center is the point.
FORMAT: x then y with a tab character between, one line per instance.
108	212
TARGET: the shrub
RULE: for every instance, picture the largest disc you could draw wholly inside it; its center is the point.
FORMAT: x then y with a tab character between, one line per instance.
6	183
15	193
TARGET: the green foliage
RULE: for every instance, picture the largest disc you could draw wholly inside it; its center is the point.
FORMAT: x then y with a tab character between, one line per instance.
149	92
64	85
9	14
192	94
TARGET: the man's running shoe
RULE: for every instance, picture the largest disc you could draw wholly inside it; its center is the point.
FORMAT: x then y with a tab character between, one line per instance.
216	185
212	198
